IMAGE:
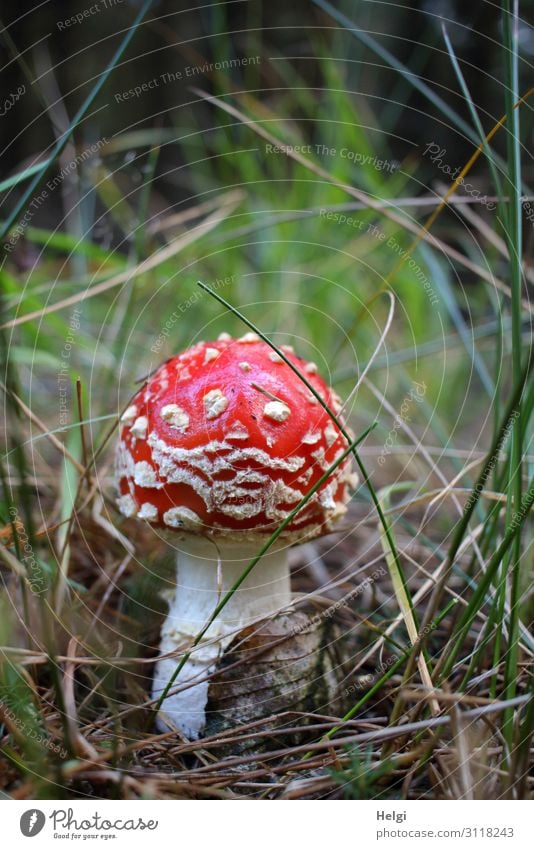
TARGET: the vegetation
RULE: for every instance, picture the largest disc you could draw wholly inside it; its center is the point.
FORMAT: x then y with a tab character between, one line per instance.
314	211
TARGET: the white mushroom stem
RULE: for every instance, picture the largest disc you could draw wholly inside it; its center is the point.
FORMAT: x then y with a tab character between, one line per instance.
202	581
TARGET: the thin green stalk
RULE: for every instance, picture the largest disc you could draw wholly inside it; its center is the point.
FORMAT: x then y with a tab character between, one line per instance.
280	529
510	33
449	564
512	410
24	175
492	631
144	200
387	675
62	141
476	121
416	82
497	365
19	459
400	586
325	406
520	760
447	660
501	588
501	477
441	345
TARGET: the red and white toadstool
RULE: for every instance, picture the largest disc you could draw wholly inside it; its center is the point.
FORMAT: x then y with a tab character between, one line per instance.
218	447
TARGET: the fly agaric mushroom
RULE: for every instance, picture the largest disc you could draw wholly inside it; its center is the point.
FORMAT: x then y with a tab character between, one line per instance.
216	449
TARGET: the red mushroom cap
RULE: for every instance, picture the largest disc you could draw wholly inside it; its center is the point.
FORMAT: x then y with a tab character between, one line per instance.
225	439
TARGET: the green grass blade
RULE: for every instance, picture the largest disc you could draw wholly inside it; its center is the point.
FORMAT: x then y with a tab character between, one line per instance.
84	108
246	572
476	120
514	238
322	402
440	104
512	533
